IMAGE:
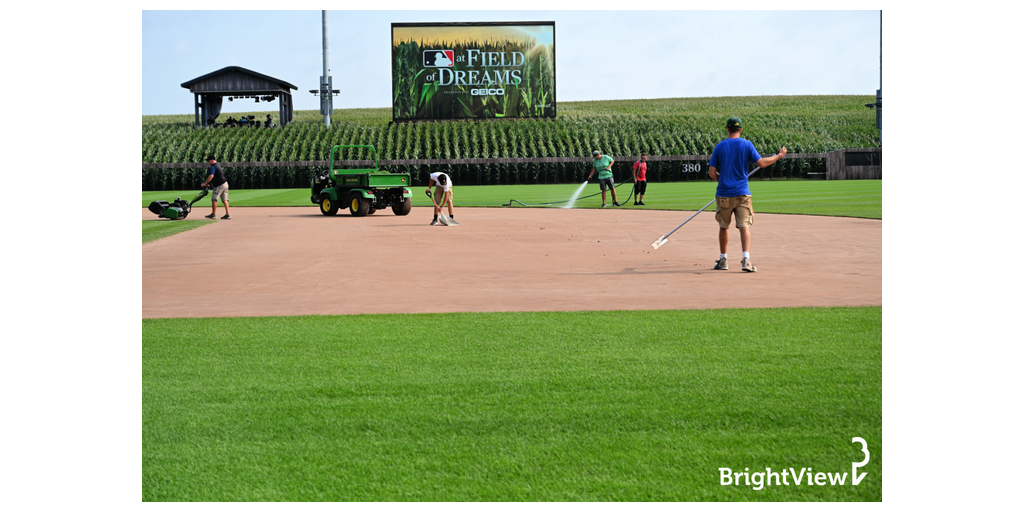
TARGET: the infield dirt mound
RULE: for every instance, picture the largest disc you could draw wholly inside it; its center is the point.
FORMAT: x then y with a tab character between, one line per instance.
295	261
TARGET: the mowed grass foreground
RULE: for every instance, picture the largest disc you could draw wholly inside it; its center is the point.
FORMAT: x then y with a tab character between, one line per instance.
577	406
157	229
848	198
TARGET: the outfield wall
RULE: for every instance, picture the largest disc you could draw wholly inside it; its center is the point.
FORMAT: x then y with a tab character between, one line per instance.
854	164
471	171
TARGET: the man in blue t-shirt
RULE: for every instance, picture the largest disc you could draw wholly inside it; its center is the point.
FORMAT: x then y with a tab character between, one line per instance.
728	166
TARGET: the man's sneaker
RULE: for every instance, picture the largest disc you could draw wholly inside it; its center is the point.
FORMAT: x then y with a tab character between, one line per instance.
721	265
747	267
643	203
226	217
616	203
604	206
433	222
211	216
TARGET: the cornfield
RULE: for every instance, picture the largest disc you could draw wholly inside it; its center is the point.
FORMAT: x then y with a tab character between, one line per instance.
683	126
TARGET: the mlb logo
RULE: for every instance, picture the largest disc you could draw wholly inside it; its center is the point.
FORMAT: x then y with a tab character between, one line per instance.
438	58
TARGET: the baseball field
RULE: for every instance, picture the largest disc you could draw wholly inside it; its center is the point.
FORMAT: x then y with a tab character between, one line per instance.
530	354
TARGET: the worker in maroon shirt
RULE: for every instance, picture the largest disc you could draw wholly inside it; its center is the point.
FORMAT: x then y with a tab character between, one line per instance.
640	180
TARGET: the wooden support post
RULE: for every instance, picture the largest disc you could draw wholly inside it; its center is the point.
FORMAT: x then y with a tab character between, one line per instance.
196	96
280	110
288	110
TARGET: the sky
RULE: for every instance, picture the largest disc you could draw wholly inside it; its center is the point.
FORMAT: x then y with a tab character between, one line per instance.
599	55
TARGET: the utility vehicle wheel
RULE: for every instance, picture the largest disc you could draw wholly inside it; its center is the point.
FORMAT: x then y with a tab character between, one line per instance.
328	207
372	211
358	205
404	208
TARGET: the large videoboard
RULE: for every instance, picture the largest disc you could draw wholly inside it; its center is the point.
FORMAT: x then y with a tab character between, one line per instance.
472	70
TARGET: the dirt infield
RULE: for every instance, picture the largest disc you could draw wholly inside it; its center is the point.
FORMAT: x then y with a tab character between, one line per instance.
295	261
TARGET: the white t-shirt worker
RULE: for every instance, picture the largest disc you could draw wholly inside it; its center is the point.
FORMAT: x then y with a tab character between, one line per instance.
442	184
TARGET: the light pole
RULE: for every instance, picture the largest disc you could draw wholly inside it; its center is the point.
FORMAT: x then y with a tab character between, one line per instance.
877	105
326	91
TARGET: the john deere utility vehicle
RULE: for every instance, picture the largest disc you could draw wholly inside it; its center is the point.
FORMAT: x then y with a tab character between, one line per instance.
364	189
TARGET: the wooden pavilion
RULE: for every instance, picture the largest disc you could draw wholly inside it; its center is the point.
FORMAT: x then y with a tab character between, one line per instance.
236	82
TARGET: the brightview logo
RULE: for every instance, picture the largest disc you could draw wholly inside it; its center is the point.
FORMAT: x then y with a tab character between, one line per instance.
806	476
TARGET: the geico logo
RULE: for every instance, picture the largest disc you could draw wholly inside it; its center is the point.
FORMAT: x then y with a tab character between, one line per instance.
487	92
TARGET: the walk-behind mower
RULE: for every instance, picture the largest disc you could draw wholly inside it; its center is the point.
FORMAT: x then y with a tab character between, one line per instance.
177	210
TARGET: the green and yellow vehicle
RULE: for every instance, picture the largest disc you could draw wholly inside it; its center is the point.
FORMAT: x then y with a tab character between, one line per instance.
363	189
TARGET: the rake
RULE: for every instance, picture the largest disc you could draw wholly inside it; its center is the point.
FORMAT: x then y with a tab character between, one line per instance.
663	240
441	217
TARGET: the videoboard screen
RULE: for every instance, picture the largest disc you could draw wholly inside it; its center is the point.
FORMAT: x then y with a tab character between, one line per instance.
472	70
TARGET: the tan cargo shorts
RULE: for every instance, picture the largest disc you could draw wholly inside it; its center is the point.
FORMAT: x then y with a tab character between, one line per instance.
741	205
221	192
439	197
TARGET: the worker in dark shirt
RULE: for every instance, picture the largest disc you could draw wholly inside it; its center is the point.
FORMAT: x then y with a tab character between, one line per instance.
216	180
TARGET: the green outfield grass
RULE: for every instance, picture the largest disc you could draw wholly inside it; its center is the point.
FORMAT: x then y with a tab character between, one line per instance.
577	406
157	229
848	198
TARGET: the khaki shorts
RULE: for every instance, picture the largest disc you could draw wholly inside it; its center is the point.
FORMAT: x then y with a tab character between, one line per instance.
742	205
221	192
439	195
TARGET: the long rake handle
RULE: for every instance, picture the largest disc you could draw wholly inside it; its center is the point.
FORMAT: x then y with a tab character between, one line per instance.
698	211
432	200
688	220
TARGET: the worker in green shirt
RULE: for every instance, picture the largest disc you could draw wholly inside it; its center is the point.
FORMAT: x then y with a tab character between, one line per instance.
604	177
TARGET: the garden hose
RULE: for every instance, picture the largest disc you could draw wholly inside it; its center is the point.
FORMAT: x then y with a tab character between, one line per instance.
510	201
